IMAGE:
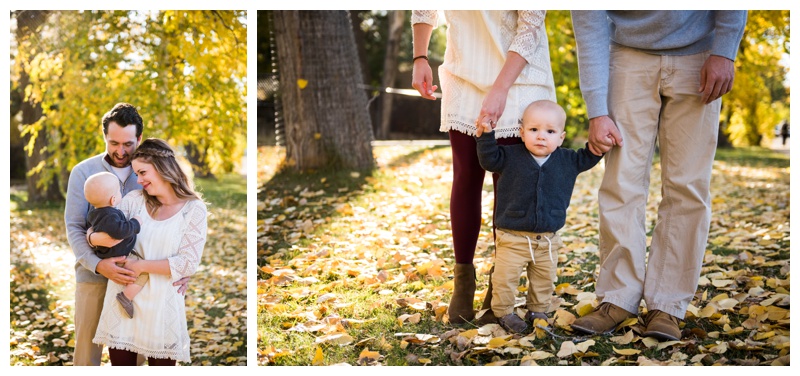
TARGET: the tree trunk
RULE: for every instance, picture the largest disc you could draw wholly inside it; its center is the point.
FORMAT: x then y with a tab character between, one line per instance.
28	23
396	19
325	113
358	34
723	141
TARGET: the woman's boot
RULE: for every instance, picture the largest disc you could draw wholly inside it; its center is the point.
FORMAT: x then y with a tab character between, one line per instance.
460	310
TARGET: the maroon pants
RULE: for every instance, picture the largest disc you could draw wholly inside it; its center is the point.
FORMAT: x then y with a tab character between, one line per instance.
128	358
465	196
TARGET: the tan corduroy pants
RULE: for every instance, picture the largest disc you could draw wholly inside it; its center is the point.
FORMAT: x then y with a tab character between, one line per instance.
656	97
88	305
513	254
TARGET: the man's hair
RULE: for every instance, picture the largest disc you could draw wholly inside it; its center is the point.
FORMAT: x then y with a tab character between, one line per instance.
124	114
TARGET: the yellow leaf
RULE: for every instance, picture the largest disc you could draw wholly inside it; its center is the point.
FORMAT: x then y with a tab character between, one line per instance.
539	355
649	342
301	83
424	361
318	358
366	354
623	339
626	351
628	322
584	308
496	342
583	346
317	136
567	348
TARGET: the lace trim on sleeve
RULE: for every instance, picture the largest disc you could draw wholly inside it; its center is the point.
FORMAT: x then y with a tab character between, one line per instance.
190	251
429	17
529	30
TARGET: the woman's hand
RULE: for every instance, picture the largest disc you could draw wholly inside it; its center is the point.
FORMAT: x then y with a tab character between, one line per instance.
135	266
422	79
493	106
100	239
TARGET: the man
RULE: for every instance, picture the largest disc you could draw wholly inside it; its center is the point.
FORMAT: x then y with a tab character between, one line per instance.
648	75
122	131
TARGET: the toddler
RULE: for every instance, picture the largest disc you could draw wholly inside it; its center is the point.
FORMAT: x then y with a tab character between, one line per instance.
533	193
102	191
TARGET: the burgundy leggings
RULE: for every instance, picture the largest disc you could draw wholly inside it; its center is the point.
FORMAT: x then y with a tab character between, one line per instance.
465	196
128	358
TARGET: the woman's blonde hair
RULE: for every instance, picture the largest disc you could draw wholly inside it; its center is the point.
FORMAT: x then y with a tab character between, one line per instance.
158	153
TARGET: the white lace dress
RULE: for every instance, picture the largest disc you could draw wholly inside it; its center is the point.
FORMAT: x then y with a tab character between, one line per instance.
478	42
158	327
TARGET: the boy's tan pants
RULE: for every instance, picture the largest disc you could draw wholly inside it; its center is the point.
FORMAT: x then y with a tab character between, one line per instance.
652	96
513	254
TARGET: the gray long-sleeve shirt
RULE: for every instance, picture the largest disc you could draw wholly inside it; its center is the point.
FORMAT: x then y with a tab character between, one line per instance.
658	32
77	208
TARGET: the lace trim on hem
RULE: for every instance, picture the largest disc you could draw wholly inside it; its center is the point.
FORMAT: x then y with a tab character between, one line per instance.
145	353
470	130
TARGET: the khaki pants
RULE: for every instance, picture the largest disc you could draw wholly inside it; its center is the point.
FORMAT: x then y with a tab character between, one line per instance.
88	305
651	97
512	256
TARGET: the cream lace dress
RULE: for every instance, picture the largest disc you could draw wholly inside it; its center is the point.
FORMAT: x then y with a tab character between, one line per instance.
158	327
478	42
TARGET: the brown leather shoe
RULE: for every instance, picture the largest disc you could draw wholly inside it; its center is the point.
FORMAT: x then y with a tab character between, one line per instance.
460	310
127	304
662	325
604	319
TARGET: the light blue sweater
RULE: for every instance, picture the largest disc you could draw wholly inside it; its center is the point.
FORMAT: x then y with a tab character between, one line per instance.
76	210
658	32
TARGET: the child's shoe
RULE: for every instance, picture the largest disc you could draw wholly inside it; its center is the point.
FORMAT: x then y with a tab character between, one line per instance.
513	323
126	304
530	316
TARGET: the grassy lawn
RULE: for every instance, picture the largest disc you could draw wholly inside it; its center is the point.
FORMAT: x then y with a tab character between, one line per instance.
43	281
355	268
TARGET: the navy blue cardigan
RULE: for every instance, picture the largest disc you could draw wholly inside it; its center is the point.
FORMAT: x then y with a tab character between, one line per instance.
531	197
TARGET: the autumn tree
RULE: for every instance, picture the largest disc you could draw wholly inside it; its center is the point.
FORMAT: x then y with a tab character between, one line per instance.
759	99
325	114
40	182
184	70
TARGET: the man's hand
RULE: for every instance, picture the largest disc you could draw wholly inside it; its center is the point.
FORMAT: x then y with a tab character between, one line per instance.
183	284
109	269
603	135
716	78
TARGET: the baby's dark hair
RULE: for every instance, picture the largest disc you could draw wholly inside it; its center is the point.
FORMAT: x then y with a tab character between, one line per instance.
124	114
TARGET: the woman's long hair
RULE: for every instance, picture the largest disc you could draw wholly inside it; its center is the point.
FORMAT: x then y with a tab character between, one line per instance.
158	153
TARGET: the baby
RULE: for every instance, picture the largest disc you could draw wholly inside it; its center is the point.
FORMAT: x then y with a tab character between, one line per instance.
533	193
103	192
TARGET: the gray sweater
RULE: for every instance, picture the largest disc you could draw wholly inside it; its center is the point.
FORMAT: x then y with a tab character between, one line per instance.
77	209
658	32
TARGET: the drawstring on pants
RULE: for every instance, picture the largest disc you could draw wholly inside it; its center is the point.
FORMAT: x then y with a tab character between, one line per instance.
549	248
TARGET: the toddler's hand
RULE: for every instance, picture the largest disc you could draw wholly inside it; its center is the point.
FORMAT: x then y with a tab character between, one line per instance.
483	127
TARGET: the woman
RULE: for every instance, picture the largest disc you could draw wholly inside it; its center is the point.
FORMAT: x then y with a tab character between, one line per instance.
171	240
494	60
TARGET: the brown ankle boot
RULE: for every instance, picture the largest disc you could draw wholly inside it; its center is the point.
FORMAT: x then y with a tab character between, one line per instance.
460	310
488	316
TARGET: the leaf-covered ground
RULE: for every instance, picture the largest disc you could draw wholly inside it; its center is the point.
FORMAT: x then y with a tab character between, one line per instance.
43	282
356	269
